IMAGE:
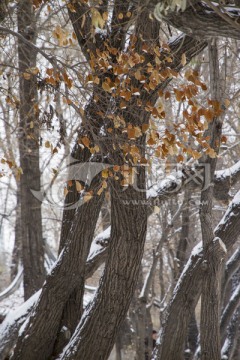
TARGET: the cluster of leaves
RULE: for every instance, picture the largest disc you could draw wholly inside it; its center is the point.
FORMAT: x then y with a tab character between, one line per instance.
10	165
130	78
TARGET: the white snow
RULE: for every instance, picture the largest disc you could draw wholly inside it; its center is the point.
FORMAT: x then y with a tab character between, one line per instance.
20	312
151	193
221	243
229	171
196	251
229	213
225	349
96	246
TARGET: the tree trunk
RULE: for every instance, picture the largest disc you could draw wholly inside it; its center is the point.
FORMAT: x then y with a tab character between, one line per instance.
37	340
210	339
192	339
67	274
184	236
188	288
31	218
109	307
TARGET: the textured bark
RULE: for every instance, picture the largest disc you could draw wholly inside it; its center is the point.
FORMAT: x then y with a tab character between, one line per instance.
230	309
31	219
73	308
224	180
184	236
230	322
188	289
192	340
231	346
231	267
112	278
101	320
191	47
9	336
11	325
184	300
37	340
118	347
106	215
210	339
201	21
137	313
93	121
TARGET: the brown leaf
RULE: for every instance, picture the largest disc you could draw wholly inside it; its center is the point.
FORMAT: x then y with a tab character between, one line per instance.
183	59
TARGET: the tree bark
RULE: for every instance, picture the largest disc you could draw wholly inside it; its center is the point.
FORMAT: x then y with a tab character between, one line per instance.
210	339
108	310
184	236
201	21
42	326
230	309
231	342
31	218
63	277
188	288
231	267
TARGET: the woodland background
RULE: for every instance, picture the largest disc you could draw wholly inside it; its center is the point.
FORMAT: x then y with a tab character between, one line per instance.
119	187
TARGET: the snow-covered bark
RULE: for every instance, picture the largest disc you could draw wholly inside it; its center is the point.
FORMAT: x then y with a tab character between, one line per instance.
201	19
61	281
232	305
10	327
188	288
231	267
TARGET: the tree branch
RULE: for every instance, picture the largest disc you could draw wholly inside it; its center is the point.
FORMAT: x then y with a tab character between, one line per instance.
204	21
188	288
230	309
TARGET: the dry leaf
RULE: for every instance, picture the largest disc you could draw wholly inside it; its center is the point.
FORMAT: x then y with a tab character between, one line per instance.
183	59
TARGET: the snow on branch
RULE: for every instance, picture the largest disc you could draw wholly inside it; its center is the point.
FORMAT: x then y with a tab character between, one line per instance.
228	227
232	305
202	19
12	323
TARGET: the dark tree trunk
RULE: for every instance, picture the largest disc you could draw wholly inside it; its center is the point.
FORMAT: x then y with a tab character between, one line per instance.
192	339
210	339
64	278
203	21
108	310
31	219
184	236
